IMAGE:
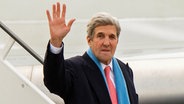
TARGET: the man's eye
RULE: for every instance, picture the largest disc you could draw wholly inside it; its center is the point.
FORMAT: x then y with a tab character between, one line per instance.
100	35
112	37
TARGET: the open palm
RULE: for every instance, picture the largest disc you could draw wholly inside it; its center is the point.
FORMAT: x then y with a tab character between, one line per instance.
57	24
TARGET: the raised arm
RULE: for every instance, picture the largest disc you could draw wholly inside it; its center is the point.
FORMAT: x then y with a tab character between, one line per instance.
57	24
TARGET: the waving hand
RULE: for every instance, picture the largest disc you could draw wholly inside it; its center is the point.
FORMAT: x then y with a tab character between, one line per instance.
57	24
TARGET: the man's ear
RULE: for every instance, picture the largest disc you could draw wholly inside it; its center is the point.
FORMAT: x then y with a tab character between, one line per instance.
88	40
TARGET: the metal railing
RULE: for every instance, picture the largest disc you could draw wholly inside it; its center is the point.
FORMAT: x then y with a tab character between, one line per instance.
21	42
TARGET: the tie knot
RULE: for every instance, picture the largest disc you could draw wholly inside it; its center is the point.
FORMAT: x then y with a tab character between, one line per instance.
107	70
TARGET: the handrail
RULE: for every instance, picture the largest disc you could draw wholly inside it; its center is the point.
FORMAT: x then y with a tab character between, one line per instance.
21	42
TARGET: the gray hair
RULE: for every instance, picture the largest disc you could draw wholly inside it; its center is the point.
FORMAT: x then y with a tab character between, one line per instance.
102	19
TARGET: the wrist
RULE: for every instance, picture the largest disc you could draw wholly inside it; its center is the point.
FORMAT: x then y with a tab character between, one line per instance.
56	42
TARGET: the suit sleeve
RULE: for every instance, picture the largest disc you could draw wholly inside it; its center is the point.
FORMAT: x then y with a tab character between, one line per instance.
54	72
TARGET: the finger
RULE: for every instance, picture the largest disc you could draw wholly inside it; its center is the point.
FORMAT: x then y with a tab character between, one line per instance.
54	11
70	23
58	9
48	16
64	11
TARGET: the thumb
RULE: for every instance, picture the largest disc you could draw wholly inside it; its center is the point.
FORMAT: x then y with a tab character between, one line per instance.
70	22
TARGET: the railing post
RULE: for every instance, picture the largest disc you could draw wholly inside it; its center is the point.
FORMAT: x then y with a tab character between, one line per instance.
7	48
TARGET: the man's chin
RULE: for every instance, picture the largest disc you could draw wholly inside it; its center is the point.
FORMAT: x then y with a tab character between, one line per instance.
105	59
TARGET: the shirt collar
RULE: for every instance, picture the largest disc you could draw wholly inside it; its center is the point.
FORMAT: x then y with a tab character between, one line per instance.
110	64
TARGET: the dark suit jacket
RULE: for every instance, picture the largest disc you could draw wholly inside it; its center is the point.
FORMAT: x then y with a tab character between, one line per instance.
79	81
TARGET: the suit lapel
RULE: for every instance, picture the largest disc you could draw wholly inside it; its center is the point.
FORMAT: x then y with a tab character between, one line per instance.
96	80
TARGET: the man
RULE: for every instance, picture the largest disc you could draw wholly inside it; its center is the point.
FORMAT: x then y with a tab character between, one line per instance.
81	79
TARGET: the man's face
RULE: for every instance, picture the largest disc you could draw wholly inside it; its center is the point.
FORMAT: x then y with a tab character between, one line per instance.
103	43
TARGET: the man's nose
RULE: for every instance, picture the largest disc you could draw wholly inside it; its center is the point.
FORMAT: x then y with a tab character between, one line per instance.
106	41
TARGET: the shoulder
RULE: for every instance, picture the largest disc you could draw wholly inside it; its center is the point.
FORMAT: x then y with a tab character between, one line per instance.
125	67
75	60
79	60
